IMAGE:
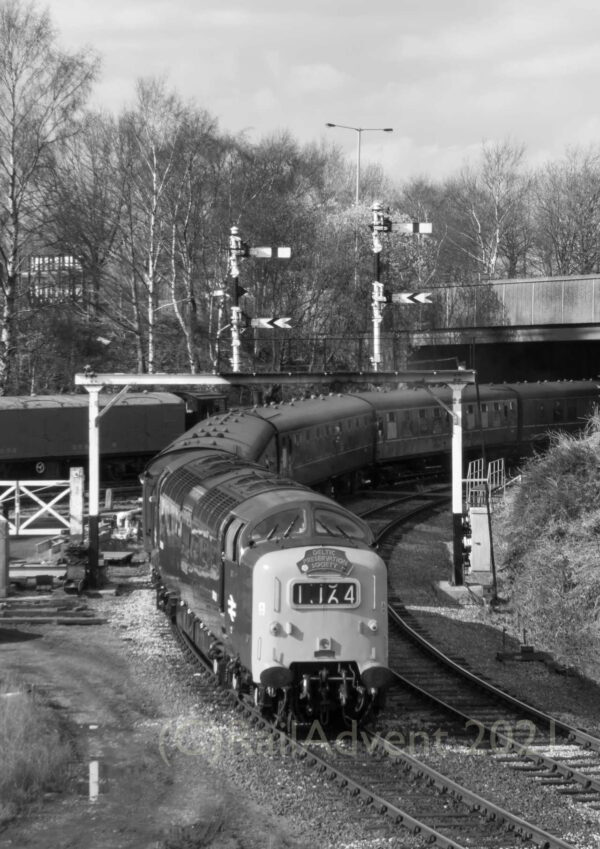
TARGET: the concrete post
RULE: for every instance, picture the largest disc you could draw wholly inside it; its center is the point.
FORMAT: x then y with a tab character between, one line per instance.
457	499
94	485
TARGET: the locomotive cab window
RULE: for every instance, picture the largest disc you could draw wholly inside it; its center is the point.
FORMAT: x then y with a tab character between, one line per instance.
283	525
336	524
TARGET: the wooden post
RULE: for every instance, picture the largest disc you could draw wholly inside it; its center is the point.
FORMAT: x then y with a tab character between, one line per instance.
76	505
4	557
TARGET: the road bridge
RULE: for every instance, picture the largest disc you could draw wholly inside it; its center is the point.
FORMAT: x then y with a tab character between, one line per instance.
526	328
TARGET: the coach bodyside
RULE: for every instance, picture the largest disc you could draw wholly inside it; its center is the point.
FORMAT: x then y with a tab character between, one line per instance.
563	405
410	423
323	438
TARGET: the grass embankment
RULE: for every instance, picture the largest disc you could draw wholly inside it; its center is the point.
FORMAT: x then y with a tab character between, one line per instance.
34	758
548	538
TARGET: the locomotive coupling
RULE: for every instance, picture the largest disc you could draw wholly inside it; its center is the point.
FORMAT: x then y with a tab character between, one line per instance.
216	650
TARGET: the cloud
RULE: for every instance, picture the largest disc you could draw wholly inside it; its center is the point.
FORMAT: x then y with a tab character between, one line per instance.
553	63
265	100
305	79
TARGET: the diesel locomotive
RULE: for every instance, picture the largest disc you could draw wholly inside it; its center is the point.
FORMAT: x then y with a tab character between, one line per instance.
275	583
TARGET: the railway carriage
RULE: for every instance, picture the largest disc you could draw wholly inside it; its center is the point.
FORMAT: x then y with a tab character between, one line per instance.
550	406
410	423
339	428
45	435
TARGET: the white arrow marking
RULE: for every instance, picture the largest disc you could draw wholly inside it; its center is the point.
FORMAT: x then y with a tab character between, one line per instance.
411	298
275	321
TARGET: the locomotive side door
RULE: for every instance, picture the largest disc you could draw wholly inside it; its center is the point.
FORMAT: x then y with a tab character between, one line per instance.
230	534
235	591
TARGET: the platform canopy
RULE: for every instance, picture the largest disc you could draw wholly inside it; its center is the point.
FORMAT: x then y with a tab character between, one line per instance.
91	379
419	376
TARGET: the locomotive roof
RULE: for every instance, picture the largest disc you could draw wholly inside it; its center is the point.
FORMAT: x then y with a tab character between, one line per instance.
225	484
133	399
210	469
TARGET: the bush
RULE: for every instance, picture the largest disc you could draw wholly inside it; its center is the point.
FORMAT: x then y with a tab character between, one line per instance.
35	757
551	550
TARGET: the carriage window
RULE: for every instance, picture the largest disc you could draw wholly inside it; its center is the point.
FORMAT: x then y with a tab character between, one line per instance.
336	524
288	523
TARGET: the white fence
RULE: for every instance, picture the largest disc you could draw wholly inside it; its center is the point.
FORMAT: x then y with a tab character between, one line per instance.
43	507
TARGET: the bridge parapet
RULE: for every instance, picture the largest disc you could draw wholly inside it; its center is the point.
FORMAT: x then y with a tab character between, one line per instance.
530	301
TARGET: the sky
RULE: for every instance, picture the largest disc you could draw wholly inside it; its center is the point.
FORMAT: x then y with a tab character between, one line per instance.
446	75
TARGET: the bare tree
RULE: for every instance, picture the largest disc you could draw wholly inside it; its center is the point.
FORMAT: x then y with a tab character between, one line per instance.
484	203
41	92
567	214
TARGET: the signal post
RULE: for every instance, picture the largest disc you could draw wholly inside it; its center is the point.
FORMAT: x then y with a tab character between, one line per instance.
382	223
239	250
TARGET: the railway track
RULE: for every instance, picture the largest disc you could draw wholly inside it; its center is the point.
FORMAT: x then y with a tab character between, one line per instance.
451	700
387	511
433	686
388	786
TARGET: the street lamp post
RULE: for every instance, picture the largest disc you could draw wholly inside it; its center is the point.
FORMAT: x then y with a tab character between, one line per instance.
359	131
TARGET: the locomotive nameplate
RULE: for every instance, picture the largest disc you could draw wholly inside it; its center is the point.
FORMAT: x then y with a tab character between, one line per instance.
325	560
325	594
